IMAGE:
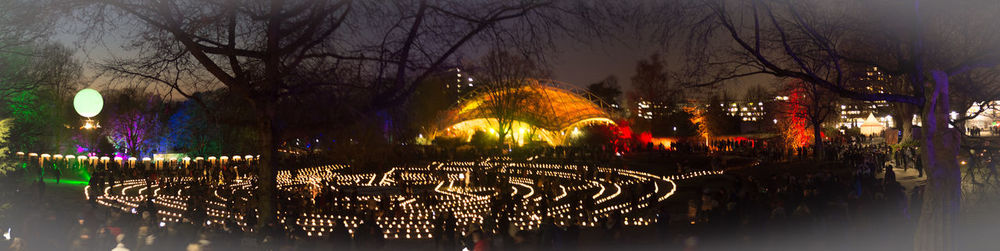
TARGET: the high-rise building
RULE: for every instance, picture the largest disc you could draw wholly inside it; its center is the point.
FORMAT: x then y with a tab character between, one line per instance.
649	110
854	112
462	84
745	111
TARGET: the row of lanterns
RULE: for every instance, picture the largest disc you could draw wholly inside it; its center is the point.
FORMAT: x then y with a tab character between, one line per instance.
131	161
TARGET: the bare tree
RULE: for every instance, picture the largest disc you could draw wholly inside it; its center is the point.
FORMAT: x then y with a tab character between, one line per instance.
607	91
758	93
269	51
39	65
653	83
22	23
506	84
653	86
24	27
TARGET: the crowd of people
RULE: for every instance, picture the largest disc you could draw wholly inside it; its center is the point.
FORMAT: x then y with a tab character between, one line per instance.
978	131
858	200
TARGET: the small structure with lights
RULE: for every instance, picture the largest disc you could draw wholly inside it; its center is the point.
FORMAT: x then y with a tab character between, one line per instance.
871	126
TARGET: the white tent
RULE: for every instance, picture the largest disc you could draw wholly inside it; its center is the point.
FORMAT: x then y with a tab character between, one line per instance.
871	126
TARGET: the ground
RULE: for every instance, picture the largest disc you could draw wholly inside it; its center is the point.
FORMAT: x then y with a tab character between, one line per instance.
66	201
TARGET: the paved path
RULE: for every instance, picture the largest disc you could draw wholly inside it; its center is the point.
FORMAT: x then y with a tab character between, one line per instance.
908	178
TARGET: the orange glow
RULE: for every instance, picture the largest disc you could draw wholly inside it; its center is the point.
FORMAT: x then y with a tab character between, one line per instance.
698	118
545	113
795	129
666	142
544	106
646	138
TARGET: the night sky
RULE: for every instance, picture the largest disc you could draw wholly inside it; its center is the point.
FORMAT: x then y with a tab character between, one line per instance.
571	61
581	64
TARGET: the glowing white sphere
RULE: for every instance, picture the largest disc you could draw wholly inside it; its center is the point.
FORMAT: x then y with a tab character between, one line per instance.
88	102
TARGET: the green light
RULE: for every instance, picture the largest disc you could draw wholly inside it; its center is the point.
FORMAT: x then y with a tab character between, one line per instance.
68	182
88	102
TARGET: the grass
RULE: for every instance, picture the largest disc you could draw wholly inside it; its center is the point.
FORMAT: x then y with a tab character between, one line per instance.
68	182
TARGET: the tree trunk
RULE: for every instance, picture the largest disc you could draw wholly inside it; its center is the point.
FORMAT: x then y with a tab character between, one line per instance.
501	136
817	141
903	118
269	137
266	174
503	131
939	150
817	125
907	130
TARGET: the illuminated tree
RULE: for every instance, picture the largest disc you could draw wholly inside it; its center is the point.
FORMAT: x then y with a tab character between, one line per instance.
26	64
698	119
133	122
796	123
36	85
190	130
6	164
807	108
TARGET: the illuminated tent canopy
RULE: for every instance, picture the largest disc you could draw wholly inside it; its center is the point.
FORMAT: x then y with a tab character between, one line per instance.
871	126
542	110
